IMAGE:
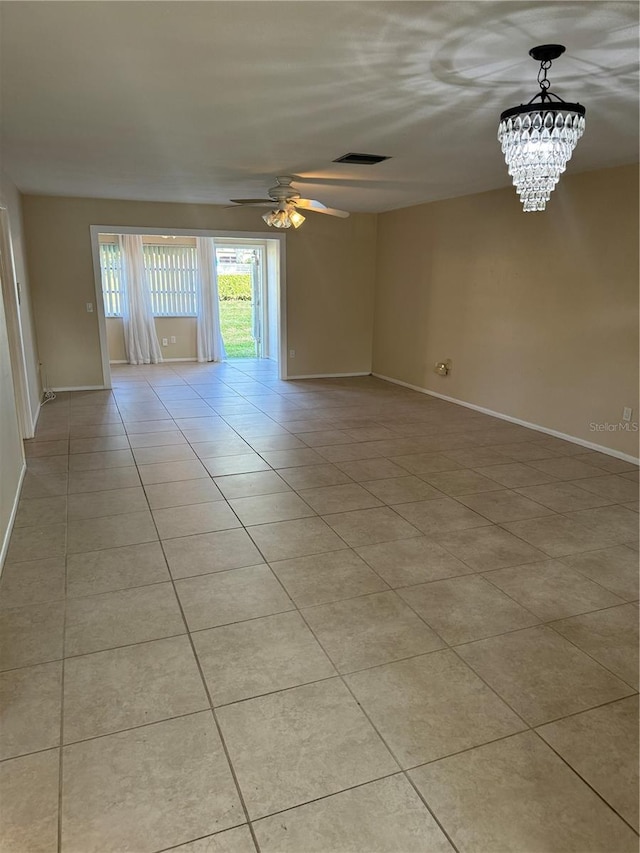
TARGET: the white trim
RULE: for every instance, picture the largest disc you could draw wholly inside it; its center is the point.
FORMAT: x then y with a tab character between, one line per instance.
244	236
99	309
11	300
283	363
330	375
12	517
81	388
124	361
36	417
554	432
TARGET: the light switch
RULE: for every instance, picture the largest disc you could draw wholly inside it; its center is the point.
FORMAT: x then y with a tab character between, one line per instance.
89	307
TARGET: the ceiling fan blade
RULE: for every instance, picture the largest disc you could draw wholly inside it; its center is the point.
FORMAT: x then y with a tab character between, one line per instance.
330	211
308	203
251	200
252	204
316	206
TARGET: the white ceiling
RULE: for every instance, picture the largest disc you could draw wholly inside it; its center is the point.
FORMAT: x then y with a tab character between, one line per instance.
206	101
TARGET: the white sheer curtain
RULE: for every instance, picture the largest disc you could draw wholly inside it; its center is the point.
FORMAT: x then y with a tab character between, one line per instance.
140	339
209	338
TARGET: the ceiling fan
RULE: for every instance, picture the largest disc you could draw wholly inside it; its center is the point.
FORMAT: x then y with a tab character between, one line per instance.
287	199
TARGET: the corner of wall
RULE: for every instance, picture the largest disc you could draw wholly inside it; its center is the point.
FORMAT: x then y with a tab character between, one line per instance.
11	198
558	349
6	533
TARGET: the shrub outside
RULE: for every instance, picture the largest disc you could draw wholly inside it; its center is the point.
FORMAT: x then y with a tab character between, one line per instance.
234	286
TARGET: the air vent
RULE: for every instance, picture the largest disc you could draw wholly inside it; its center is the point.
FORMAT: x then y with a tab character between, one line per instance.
362	159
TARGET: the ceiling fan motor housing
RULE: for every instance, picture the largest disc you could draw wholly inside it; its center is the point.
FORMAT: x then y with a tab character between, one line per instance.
283	191
286	200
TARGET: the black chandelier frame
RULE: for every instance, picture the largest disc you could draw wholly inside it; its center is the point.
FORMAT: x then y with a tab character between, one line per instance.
544	54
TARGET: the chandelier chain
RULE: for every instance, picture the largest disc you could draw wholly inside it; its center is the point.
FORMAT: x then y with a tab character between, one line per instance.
545	65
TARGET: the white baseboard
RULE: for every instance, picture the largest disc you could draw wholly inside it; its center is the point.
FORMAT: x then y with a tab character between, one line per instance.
164	360
34	422
330	375
80	388
554	432
12	517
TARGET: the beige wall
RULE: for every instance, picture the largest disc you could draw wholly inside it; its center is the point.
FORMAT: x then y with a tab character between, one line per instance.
329	268
182	328
538	312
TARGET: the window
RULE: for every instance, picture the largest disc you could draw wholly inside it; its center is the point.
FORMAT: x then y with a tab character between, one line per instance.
111	270
171	273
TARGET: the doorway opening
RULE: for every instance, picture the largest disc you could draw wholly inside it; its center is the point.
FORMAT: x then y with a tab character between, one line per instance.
251	301
248	300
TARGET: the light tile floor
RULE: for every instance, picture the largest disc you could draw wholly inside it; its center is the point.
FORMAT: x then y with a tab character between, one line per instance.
330	616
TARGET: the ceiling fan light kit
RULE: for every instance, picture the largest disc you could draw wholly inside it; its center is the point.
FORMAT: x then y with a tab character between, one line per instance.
538	138
287	199
284	217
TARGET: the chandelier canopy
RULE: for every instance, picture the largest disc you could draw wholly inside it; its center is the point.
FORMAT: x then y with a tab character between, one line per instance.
538	138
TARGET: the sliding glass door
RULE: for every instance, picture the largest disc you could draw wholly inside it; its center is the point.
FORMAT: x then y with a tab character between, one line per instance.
243	306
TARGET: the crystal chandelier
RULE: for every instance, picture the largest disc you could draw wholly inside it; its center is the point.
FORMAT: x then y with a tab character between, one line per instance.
284	217
538	138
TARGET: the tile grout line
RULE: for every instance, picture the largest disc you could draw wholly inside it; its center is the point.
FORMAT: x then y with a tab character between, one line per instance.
223	743
585	780
62	678
299	611
340	676
588	654
382	739
487	572
203	838
293	687
346	686
207	693
465	663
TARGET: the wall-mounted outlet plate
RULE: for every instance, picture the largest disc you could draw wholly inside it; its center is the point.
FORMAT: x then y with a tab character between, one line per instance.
165	342
292	353
443	368
173	339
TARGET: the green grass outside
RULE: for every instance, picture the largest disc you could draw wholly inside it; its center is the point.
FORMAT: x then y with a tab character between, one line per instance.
235	322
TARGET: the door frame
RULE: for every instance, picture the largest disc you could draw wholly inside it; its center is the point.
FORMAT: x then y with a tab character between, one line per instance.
278	240
263	302
10	294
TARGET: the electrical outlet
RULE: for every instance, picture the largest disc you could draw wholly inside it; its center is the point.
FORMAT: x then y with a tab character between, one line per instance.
165	342
292	353
626	413
173	339
443	368
89	307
